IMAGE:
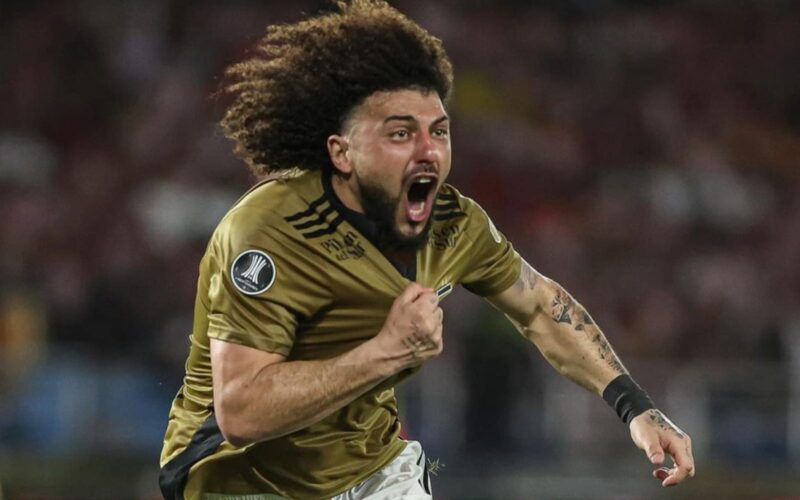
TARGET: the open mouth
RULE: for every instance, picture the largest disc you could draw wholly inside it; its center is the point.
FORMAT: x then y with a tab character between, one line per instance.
419	197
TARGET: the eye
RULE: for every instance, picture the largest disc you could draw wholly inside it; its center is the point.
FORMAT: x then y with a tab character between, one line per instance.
441	132
399	134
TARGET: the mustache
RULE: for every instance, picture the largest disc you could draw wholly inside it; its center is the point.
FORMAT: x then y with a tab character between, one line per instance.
423	168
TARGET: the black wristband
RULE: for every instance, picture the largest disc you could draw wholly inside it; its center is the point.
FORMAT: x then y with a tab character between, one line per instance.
627	398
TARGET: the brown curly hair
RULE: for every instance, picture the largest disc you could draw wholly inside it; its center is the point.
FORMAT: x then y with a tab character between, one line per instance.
307	77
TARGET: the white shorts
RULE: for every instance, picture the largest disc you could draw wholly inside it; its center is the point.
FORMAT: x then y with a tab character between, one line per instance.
405	477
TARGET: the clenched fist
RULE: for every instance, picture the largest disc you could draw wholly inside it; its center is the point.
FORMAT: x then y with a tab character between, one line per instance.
412	333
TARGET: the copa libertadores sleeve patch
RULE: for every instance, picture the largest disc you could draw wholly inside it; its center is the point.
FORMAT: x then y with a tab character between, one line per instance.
253	272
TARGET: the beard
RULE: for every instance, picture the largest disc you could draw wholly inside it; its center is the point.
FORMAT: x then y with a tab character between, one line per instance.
381	209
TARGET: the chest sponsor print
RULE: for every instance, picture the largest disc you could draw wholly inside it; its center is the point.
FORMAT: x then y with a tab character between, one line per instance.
445	237
347	247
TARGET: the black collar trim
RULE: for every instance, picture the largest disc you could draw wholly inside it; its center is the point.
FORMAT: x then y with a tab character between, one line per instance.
364	225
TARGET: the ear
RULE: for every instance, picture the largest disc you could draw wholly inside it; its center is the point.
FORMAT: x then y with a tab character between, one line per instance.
338	148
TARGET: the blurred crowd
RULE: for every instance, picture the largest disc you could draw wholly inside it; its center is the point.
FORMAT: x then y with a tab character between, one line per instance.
644	154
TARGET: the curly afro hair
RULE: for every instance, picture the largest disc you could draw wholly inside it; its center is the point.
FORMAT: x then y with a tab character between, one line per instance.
306	78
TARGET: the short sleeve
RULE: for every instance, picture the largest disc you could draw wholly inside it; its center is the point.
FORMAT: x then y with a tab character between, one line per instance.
493	264
250	295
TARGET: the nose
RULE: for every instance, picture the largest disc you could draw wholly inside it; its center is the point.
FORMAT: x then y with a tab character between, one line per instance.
425	150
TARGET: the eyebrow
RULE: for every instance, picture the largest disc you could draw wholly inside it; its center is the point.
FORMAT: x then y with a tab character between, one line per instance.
411	118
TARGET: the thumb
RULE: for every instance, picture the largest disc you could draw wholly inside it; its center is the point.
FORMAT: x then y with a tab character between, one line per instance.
654	452
412	292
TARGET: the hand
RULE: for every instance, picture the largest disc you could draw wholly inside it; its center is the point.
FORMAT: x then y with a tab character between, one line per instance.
412	333
656	435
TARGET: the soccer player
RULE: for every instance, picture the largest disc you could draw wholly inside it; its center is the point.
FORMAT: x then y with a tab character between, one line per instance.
320	288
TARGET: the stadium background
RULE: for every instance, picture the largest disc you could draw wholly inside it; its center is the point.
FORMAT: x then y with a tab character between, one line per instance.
644	154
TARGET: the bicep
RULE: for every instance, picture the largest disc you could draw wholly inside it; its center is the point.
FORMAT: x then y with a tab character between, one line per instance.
521	301
232	363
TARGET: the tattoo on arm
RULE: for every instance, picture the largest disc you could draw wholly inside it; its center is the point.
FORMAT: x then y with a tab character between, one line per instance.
606	353
528	278
566	310
562	305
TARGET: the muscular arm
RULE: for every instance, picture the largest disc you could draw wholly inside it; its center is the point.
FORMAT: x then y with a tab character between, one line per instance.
259	395
561	329
569	339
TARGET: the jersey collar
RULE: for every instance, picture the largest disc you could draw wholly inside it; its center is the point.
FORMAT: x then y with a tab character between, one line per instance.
363	225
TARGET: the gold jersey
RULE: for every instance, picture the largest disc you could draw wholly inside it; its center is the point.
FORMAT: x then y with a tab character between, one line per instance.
290	270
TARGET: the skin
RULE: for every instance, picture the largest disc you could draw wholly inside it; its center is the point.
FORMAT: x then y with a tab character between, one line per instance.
388	140
259	395
569	339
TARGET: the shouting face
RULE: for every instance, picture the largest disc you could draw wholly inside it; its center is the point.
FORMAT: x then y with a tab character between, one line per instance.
391	160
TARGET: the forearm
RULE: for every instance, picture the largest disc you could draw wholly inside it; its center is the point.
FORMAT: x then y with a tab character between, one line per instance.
570	340
259	395
284	397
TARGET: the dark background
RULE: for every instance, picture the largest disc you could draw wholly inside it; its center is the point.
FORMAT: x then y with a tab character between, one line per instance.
644	154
